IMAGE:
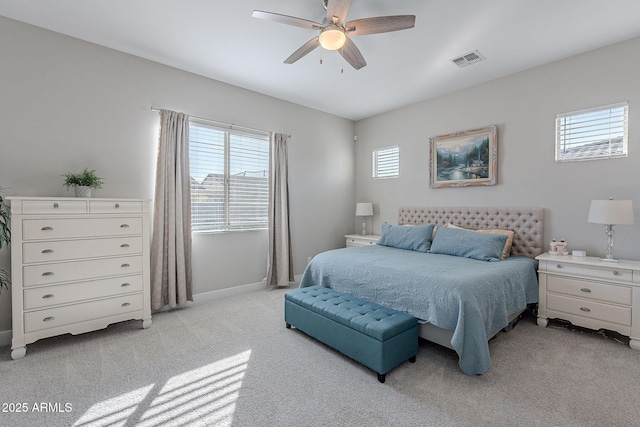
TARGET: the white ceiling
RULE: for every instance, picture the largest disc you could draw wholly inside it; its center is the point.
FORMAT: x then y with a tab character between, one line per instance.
219	39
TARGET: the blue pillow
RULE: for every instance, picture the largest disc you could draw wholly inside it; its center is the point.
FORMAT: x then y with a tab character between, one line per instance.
413	238
469	244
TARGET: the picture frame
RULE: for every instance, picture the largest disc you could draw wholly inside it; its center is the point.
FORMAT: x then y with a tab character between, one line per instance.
464	159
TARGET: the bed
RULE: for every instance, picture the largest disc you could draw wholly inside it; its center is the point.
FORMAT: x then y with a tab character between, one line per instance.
461	288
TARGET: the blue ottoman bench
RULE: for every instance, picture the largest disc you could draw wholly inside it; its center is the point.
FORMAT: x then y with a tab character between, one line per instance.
378	337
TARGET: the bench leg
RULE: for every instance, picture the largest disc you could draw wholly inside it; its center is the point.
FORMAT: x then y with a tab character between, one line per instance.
382	377
413	359
288	325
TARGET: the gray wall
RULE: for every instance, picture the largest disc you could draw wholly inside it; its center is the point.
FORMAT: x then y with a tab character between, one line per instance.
523	106
66	104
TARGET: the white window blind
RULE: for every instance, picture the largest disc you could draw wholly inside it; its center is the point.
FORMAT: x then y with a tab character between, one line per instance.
386	162
595	133
229	178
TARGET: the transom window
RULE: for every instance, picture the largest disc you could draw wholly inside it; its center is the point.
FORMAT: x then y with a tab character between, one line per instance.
595	133
229	178
386	162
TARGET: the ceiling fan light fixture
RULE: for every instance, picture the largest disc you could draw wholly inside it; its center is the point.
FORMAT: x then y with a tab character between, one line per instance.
332	38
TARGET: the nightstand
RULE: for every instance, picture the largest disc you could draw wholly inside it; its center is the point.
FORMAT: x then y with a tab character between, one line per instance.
360	240
591	293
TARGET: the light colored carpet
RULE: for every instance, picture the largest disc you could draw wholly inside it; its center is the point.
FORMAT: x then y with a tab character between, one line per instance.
231	362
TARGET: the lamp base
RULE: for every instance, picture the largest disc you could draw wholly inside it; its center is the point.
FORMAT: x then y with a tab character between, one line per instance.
609	260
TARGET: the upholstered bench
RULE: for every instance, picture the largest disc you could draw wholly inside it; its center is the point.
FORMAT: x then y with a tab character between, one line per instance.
378	337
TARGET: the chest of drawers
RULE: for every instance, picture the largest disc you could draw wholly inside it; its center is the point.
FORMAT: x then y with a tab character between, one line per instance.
591	293
77	265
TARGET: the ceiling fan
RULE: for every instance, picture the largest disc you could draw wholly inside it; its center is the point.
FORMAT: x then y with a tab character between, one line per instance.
335	32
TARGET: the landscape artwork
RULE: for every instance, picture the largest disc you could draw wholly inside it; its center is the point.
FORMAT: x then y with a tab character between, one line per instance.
464	158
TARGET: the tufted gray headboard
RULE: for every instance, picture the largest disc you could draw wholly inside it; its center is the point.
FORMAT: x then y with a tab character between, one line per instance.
527	223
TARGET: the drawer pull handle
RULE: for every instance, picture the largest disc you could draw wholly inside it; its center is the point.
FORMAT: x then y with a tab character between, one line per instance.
47	296
46	228
55	205
124	285
616	272
47	251
585	290
48	319
48	273
587	309
559	266
124	226
117	205
124	245
125	265
126	304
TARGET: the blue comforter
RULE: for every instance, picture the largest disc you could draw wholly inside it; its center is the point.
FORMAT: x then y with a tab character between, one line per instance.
471	298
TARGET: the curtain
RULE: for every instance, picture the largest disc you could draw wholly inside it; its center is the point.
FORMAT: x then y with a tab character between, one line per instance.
280	262
171	241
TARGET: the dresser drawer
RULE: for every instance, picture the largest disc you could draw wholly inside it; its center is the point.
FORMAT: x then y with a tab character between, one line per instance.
53	317
620	275
114	207
45	274
76	249
592	290
81	291
590	309
42	229
71	206
353	240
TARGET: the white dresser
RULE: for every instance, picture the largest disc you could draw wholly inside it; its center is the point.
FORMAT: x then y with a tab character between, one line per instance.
77	265
353	240
591	293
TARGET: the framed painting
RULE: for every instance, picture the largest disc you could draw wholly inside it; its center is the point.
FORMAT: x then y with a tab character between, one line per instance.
464	158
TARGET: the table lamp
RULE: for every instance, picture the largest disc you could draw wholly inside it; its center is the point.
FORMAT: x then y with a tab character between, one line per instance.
610	212
364	210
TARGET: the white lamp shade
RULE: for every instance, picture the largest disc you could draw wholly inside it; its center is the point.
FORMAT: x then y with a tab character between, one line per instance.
612	212
364	209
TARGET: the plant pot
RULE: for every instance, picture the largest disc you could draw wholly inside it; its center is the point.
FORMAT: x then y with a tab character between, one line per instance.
83	191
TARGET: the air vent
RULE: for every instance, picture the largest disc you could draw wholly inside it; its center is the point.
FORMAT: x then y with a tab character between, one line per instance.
468	58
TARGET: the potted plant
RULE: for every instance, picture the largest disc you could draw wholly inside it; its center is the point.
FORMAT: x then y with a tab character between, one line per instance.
83	182
5	238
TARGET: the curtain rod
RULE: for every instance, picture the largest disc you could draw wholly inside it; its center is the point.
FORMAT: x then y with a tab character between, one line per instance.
229	125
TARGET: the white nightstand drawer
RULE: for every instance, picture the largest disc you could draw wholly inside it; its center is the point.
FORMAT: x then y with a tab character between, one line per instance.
591	309
114	207
610	273
70	206
65	315
81	291
45	274
76	249
42	229
353	240
591	290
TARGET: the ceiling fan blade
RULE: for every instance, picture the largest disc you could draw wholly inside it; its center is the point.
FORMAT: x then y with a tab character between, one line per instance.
303	50
339	9
352	55
285	19
380	24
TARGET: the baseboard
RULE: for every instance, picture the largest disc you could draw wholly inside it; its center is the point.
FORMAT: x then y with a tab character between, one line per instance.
236	290
227	292
5	336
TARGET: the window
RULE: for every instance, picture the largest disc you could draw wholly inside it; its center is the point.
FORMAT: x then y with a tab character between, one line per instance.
596	133
229	178
386	162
